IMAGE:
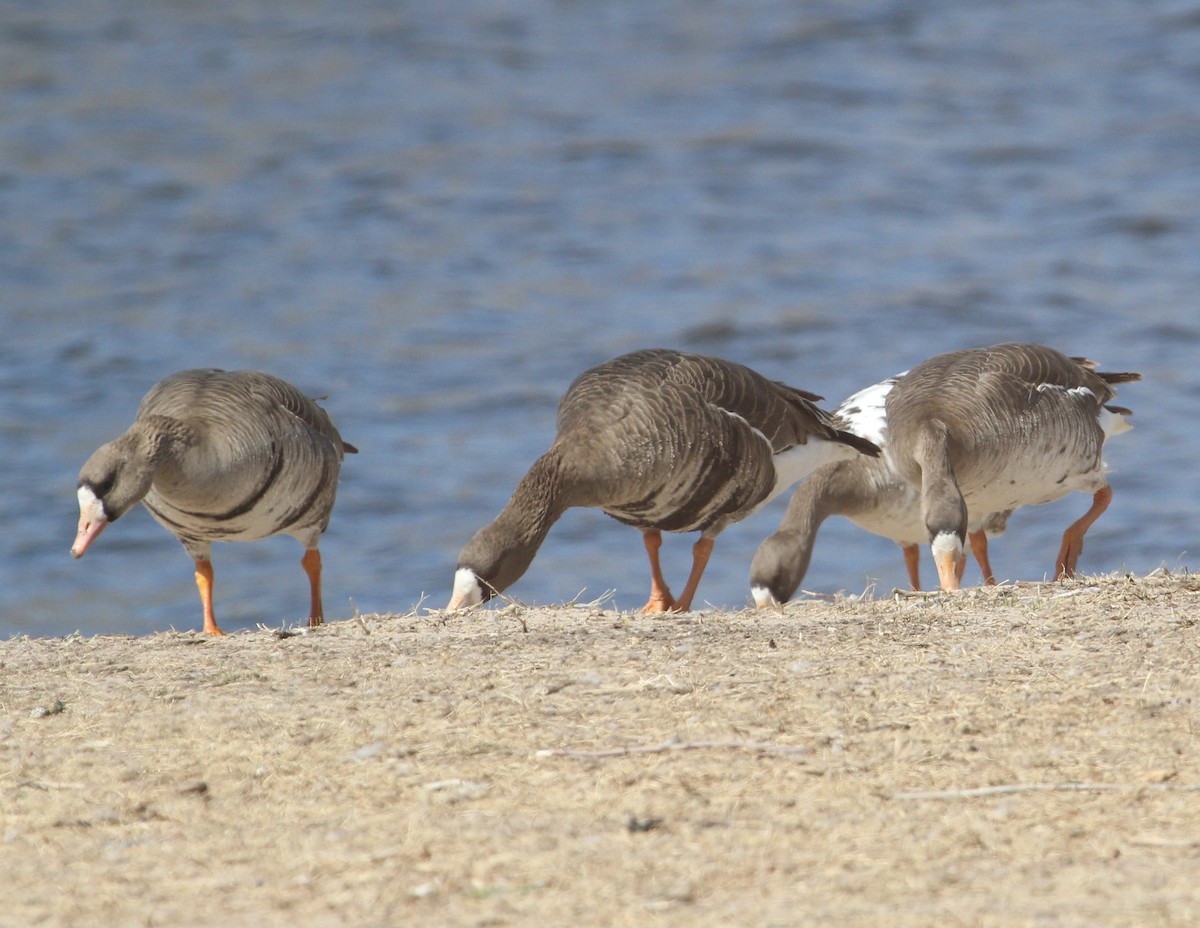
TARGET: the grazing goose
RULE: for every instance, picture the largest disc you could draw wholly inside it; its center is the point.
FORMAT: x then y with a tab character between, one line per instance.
220	456
991	429
866	490
663	441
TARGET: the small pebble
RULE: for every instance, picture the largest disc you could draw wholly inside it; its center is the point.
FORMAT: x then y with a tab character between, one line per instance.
42	711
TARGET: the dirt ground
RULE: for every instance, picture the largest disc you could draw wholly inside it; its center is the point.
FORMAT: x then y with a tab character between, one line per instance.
1025	755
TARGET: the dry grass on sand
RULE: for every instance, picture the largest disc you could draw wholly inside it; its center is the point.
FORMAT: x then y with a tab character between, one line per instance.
1016	756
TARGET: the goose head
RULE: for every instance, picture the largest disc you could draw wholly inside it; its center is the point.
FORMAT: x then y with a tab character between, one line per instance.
779	565
946	522
114	479
490	563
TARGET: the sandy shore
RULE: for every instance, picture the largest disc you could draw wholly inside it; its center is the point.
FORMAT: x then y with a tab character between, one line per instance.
1025	755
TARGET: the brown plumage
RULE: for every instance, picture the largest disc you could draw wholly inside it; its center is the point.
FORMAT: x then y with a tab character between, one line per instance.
663	441
992	429
220	456
870	493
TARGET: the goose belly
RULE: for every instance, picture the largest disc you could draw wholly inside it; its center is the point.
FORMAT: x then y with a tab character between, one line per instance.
280	508
685	502
1028	479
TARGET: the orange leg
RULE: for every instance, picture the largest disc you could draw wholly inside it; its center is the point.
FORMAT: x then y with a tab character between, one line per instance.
661	599
701	551
1072	540
311	562
912	560
204	582
979	547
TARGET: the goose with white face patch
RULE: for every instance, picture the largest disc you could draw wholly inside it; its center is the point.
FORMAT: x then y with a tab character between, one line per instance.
992	429
220	456
664	441
866	490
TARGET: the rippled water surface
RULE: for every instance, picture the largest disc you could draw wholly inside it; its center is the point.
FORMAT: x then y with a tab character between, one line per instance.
437	214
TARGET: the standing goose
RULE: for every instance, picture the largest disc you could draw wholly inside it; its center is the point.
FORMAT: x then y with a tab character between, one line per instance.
991	429
663	441
866	490
220	456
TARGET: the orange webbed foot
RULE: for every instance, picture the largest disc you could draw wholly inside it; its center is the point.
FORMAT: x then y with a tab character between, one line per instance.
659	604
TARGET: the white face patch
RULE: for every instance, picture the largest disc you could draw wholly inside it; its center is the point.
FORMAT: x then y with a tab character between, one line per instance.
92	519
947	543
467	591
90	504
762	597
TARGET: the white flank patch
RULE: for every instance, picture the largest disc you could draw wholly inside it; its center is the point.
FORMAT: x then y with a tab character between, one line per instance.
799	461
865	412
794	464
1113	423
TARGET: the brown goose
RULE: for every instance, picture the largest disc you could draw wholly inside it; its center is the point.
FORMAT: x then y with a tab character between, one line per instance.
870	493
991	429
220	456
663	441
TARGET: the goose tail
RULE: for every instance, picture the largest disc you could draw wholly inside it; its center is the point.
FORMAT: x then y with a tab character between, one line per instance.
857	442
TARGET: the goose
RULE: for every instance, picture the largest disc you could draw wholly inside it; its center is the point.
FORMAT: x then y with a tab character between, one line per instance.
992	429
661	440
220	456
870	493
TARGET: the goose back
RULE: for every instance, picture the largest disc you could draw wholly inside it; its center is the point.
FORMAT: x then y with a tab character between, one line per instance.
250	456
682	442
220	456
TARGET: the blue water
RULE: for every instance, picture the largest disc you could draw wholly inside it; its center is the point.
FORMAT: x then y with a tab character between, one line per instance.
437	214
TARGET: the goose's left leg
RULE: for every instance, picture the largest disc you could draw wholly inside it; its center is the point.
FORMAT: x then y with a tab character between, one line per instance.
661	599
701	551
912	561
1072	540
979	548
311	562
204	583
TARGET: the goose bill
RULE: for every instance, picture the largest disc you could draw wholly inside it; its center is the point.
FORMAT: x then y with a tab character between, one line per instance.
89	531
947	554
92	521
